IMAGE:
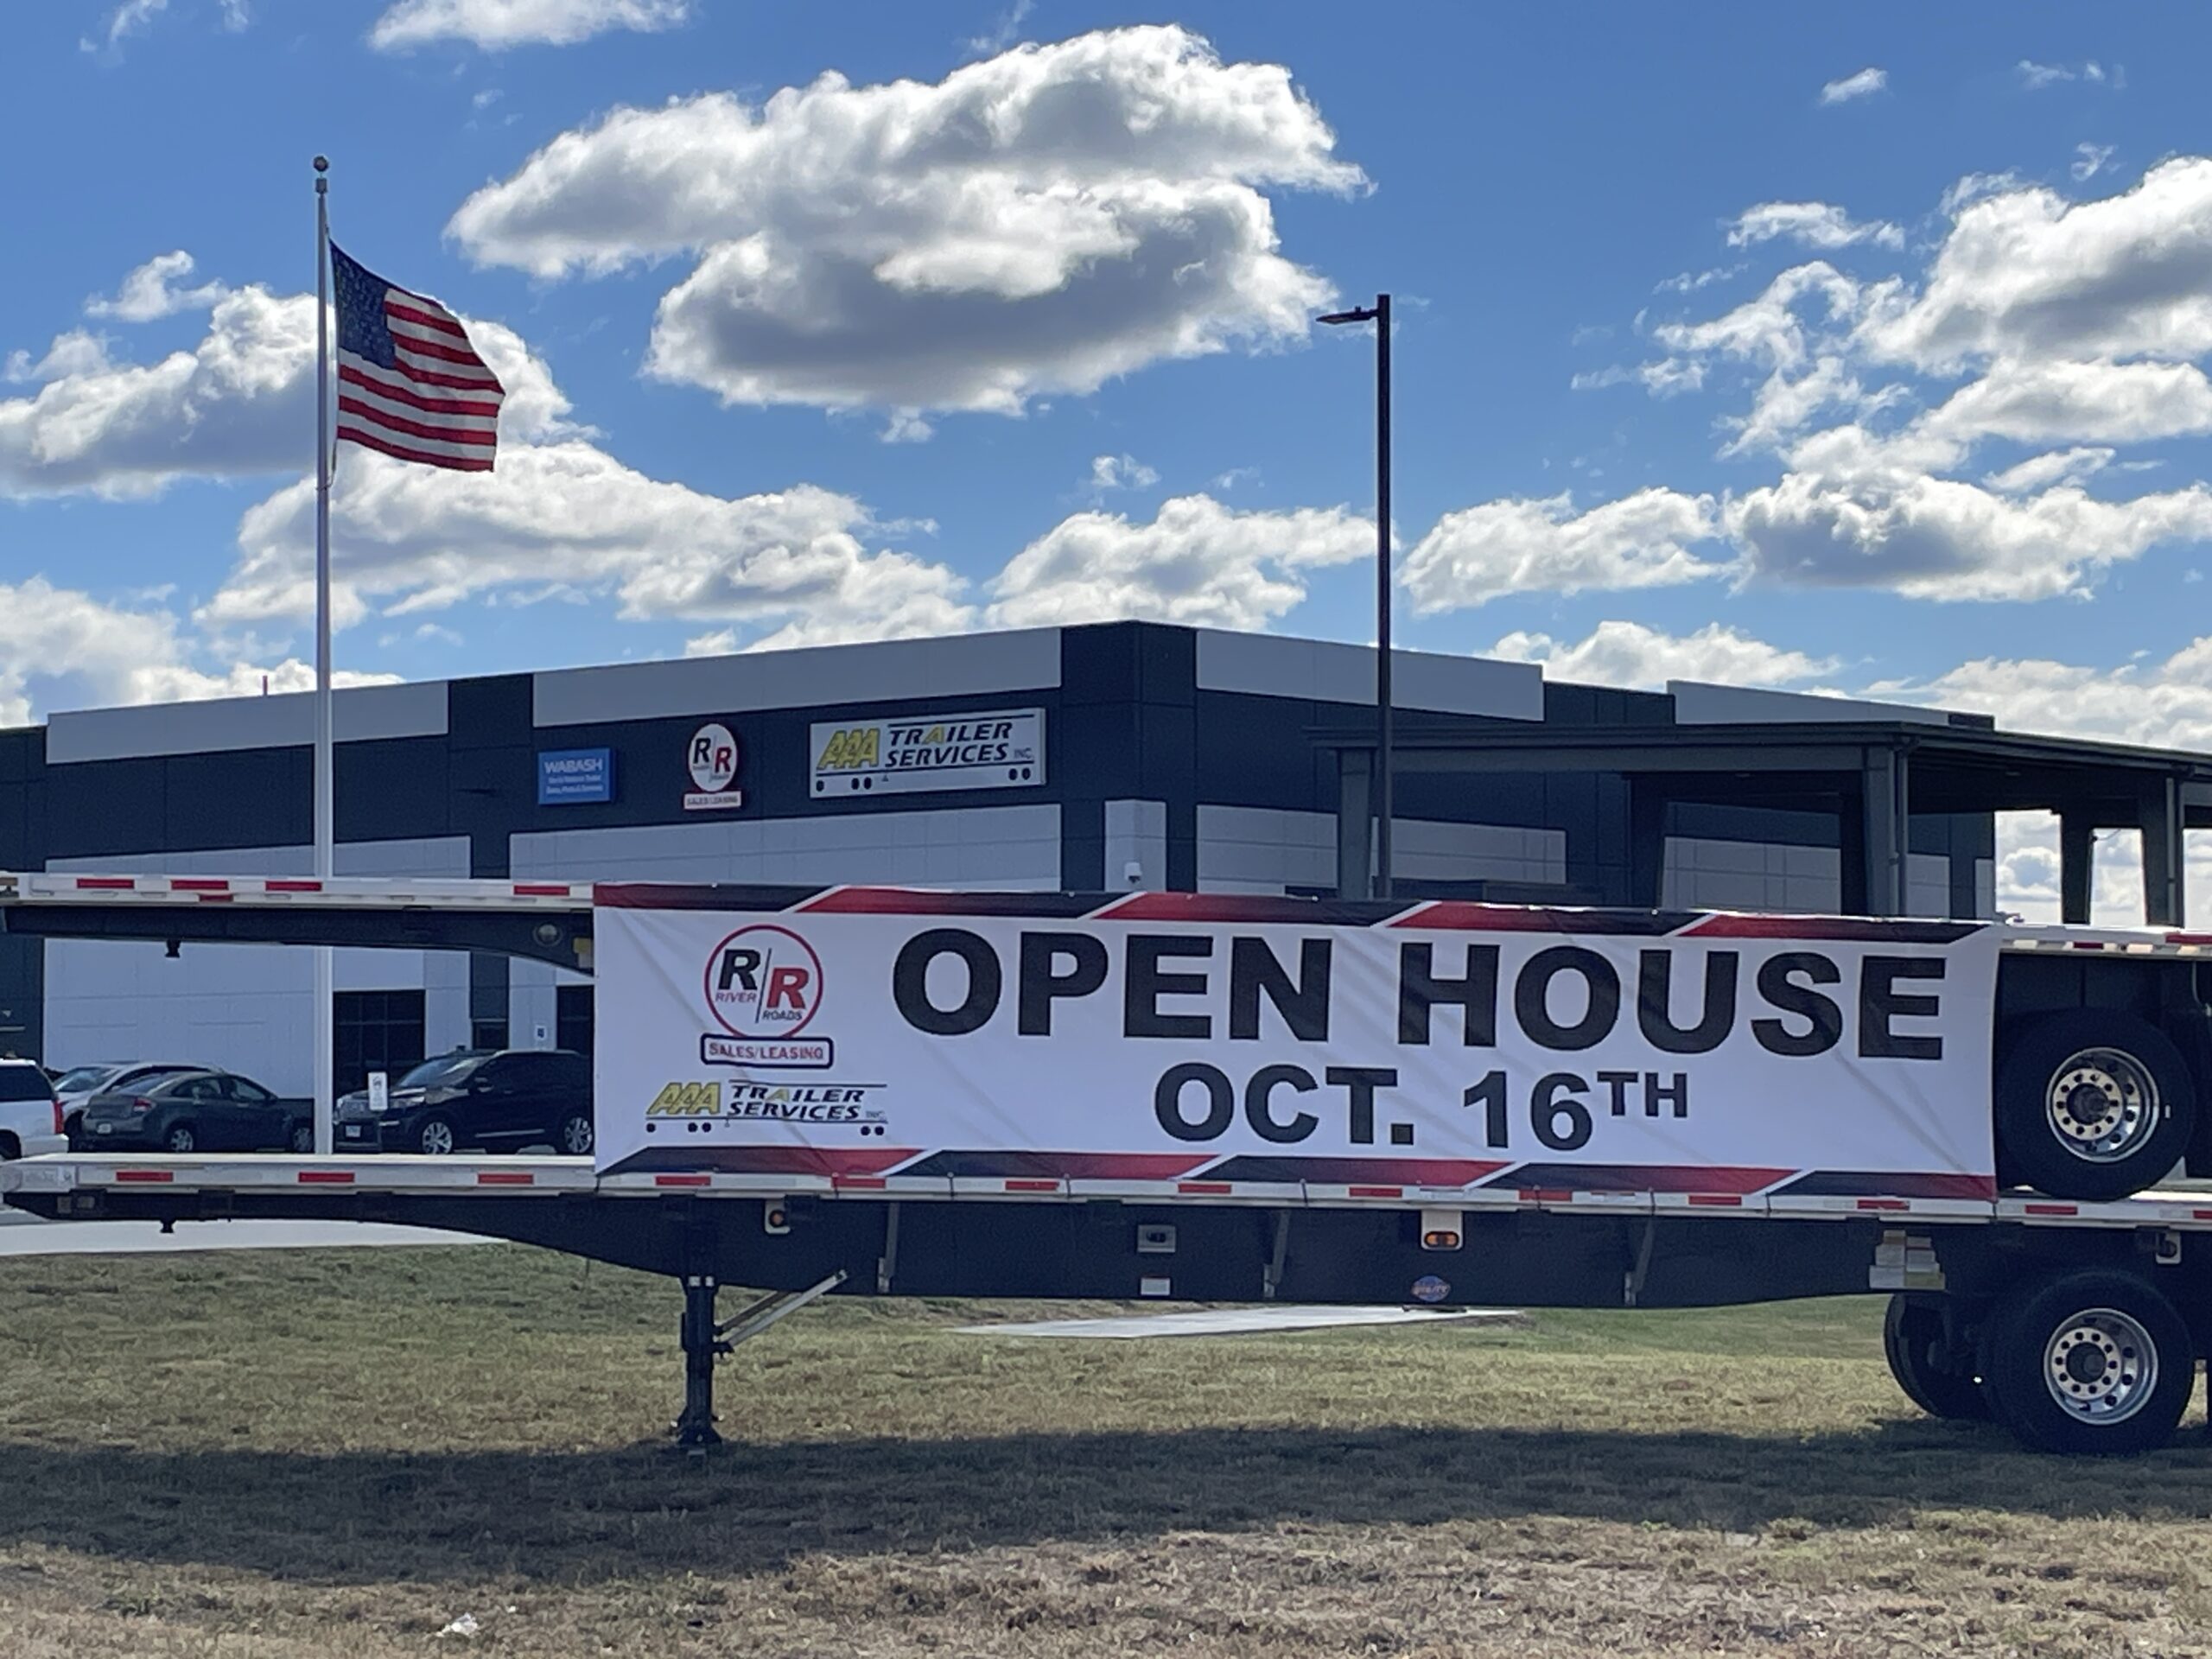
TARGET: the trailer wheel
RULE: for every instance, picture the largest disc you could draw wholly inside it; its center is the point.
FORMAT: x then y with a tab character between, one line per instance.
1924	1365
2094	1361
2093	1103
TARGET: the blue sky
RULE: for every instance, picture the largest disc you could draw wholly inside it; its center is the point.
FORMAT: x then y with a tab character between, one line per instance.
1855	350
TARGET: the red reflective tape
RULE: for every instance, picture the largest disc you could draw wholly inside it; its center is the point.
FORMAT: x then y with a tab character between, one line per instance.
1545	1195
2089	945
1033	1187
107	883
541	890
1884	1204
1375	1192
504	1178
1202	1186
200	884
2188	939
1715	1200
2201	1215
2052	1209
682	1181
142	1177
292	887
870	1183
326	1177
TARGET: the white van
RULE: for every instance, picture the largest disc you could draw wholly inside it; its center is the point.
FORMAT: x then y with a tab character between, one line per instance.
30	1112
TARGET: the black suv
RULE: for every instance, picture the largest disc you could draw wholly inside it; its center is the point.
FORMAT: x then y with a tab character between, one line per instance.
500	1101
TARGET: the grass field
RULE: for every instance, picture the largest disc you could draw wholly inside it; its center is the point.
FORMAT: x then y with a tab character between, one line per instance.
324	1454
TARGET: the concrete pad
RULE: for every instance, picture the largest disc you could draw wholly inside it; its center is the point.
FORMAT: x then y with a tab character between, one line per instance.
1245	1321
22	1235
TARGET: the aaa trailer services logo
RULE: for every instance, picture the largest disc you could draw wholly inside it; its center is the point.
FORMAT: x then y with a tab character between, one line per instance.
763	987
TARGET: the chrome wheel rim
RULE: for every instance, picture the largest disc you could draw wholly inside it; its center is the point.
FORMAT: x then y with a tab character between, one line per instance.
437	1139
2102	1104
303	1140
2100	1366
181	1141
576	1136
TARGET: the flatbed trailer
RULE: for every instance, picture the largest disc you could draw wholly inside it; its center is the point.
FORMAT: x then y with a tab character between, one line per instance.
2078	1325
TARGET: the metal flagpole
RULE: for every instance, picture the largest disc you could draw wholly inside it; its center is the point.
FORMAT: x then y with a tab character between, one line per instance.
324	825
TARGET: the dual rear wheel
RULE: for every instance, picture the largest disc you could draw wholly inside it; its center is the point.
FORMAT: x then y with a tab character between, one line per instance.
2092	1360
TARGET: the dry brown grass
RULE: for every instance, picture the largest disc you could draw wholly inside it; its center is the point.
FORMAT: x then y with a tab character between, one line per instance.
335	1454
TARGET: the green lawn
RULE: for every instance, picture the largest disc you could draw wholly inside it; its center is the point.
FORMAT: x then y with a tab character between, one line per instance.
337	1453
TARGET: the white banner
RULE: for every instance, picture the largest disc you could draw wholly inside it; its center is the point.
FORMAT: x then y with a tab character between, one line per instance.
1003	749
1157	1037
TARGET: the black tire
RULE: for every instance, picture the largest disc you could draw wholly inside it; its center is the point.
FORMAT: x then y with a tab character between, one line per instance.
2104	1338
11	1148
573	1137
73	1126
435	1137
1923	1364
302	1138
2125	1068
180	1138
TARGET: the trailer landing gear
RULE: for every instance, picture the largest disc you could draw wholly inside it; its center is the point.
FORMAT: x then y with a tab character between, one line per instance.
705	1341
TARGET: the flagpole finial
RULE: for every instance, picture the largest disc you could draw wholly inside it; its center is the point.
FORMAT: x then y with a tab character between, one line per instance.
322	163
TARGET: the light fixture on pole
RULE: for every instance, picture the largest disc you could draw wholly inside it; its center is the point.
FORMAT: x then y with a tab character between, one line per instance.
1379	315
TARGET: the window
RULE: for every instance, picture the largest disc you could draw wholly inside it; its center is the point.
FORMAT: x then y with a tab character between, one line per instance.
375	1031
24	1082
573	1019
249	1091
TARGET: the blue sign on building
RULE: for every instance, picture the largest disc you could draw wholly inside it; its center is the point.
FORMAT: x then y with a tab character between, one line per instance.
571	776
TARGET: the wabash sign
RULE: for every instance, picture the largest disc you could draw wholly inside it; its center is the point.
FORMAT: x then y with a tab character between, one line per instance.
713	759
763	986
1228	1038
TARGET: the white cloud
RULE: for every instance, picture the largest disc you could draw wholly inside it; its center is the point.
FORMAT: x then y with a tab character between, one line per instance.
1690	282
1946	539
126	19
1120	473
2035	77
565	517
149	292
2166	704
1008	28
495	25
2055	466
906	426
1485	552
1812	224
1865	84
238	403
1198	561
1043	220
1769	330
1973	187
2028	274
1630	654
2090	161
2052	401
63	648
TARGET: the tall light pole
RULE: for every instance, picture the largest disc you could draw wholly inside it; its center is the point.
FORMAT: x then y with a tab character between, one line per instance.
1379	315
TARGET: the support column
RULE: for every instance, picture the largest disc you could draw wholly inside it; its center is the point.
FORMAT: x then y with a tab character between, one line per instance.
2077	846
1885	814
2160	818
1355	824
1646	843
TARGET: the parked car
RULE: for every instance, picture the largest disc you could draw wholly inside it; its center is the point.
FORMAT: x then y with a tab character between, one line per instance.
198	1111
502	1100
30	1116
80	1083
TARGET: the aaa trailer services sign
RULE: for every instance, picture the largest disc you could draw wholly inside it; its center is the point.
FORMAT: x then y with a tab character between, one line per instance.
996	749
1190	1039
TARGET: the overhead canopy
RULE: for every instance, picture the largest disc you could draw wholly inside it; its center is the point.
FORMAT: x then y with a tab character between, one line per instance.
1871	775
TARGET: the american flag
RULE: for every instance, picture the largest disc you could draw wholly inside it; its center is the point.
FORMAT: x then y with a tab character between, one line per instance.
409	382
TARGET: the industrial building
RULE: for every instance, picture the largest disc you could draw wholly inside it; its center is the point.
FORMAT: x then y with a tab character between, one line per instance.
1103	757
